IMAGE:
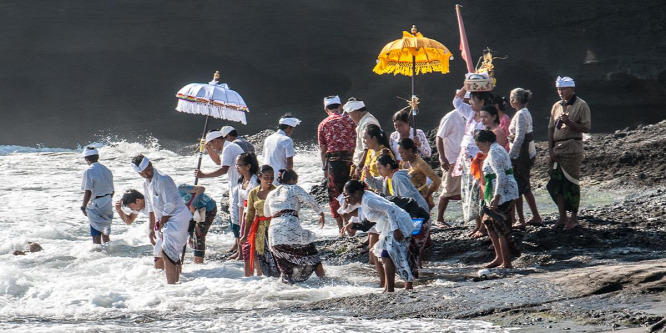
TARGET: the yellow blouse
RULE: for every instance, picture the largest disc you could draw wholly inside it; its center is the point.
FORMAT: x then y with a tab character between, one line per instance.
419	171
255	205
371	160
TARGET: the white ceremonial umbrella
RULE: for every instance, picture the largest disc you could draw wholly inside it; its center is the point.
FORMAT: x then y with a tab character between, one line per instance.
213	99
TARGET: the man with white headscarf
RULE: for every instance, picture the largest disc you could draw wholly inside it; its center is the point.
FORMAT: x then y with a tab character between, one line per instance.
337	140
172	217
98	187
224	153
569	119
360	115
279	147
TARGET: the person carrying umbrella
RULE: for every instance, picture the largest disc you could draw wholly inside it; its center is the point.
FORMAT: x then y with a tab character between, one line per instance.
224	153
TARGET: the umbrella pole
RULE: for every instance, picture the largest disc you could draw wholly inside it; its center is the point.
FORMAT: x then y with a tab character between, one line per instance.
413	106
201	149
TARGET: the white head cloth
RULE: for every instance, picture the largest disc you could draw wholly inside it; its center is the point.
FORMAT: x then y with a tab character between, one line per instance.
353	105
293	122
90	151
213	135
142	166
563	82
225	130
331	100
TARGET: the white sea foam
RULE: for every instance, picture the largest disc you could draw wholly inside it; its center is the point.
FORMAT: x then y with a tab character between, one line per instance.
73	285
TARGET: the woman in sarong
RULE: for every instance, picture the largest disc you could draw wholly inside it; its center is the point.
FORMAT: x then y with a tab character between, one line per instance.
247	167
523	153
468	150
404	130
292	246
394	226
424	178
499	193
255	231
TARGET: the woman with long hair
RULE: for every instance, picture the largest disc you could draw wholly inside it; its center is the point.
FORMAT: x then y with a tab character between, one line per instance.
247	167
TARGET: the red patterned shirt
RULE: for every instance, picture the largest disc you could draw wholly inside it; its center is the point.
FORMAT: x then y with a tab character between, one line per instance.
337	133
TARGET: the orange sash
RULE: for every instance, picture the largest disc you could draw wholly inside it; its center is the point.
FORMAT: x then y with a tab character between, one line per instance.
252	237
476	167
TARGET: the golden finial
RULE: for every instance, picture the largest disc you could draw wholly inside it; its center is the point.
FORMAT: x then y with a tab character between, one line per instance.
216	76
414	30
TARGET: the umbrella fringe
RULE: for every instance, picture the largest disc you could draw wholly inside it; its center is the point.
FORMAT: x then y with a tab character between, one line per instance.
215	111
395	68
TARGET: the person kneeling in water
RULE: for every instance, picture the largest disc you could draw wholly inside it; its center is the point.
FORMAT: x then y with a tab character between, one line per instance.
171	215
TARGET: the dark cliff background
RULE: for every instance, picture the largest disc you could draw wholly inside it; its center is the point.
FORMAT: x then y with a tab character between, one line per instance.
71	71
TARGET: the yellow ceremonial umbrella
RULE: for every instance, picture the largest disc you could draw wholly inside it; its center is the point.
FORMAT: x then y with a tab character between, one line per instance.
411	55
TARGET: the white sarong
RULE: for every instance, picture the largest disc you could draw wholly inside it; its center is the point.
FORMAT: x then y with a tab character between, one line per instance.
100	214
174	235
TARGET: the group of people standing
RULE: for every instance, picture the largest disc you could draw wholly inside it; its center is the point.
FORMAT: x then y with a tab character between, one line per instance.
376	183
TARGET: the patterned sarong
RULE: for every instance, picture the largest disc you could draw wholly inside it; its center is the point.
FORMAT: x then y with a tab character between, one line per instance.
564	180
296	262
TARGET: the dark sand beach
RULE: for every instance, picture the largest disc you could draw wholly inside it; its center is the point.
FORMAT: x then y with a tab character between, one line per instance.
606	275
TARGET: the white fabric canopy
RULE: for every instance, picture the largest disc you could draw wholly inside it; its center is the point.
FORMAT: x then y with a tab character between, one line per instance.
212	99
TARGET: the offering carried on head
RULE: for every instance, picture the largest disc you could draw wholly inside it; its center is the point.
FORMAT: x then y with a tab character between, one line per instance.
479	82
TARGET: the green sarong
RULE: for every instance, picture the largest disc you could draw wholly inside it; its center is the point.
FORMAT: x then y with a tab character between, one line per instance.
560	185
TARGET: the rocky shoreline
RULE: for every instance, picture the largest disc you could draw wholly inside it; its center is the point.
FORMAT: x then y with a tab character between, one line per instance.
607	275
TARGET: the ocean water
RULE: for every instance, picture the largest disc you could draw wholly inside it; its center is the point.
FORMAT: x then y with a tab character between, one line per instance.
73	285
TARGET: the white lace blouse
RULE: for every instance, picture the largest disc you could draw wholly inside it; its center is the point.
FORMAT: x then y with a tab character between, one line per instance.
521	124
498	162
286	229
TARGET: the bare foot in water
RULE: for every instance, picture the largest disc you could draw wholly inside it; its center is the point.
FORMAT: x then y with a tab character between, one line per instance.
506	266
535	222
572	223
559	223
493	263
518	226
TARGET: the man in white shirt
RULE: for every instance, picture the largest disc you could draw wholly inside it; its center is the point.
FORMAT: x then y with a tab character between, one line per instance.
279	147
98	186
358	113
172	217
224	153
449	135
